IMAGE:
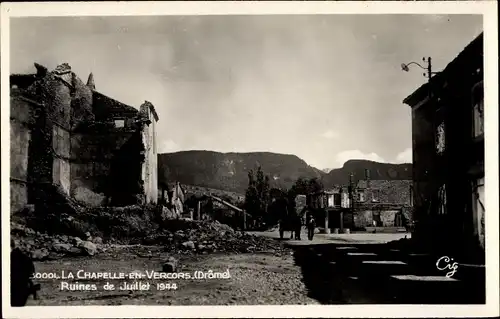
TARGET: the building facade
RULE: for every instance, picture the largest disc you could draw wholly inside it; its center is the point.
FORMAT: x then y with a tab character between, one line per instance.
382	204
448	154
367	204
69	140
331	208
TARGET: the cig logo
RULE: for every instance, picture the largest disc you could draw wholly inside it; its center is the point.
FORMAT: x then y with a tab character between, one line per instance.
447	263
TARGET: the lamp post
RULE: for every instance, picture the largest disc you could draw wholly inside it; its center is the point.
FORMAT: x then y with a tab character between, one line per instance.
428	75
406	67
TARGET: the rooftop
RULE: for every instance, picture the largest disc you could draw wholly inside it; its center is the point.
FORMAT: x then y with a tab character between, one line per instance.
114	105
23	81
471	53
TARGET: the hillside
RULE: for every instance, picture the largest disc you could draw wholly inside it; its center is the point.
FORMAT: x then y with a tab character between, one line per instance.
200	191
229	171
383	171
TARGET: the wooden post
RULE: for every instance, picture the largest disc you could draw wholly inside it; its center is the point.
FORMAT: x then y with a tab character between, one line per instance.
351	202
341	221
198	213
244	220
327	228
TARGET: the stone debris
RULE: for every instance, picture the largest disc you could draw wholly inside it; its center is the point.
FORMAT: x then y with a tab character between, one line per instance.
171	265
179	236
43	246
89	248
188	244
58	247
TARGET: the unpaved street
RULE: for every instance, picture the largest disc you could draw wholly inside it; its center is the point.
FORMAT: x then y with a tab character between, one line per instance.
322	271
259	278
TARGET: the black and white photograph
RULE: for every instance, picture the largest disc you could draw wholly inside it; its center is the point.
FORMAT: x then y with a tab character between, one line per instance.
314	159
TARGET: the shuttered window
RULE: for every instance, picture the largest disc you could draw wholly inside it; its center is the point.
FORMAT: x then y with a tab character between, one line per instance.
478	110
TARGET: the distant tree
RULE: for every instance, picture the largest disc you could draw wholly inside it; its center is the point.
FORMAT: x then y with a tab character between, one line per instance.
314	185
251	195
303	186
275	193
278	206
257	194
263	188
306	186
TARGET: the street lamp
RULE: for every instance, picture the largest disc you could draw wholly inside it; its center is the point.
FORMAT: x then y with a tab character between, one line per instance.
405	67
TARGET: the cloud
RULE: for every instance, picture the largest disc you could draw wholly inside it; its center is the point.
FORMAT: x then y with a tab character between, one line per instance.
168	146
405	156
344	156
330	134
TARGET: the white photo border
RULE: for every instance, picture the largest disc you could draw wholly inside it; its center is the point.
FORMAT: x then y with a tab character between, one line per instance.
144	8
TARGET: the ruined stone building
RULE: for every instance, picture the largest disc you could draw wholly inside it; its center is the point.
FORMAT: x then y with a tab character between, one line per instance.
172	195
70	140
382	203
364	205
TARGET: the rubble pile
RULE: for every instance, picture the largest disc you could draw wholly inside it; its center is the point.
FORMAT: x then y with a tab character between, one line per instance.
113	224
188	236
97	229
42	246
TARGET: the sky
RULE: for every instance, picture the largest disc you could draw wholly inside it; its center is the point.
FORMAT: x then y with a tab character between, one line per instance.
327	88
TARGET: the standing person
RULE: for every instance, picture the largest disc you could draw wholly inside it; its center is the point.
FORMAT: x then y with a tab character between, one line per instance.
297	226
285	218
311	226
21	271
281	228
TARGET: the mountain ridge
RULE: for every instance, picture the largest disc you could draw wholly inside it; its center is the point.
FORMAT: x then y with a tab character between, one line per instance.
229	171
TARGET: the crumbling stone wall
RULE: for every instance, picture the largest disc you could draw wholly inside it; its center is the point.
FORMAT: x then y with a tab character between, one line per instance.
364	218
150	165
80	153
53	124
93	152
61	165
125	176
388	218
107	165
21	121
81	103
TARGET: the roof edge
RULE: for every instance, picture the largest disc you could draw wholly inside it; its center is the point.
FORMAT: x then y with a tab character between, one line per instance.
417	95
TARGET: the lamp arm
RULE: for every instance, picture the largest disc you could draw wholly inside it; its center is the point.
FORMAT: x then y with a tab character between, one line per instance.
417	65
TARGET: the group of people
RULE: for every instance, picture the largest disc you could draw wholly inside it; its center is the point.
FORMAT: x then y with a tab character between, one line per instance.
294	224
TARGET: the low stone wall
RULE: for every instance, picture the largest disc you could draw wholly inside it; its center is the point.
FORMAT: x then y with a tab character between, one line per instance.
18	195
365	218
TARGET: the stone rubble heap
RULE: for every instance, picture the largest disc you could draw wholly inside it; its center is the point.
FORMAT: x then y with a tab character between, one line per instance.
175	236
43	246
210	237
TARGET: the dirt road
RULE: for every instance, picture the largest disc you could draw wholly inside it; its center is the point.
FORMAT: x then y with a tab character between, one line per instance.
358	238
259	278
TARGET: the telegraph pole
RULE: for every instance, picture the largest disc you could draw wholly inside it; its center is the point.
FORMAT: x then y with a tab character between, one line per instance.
351	201
429	75
428	68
